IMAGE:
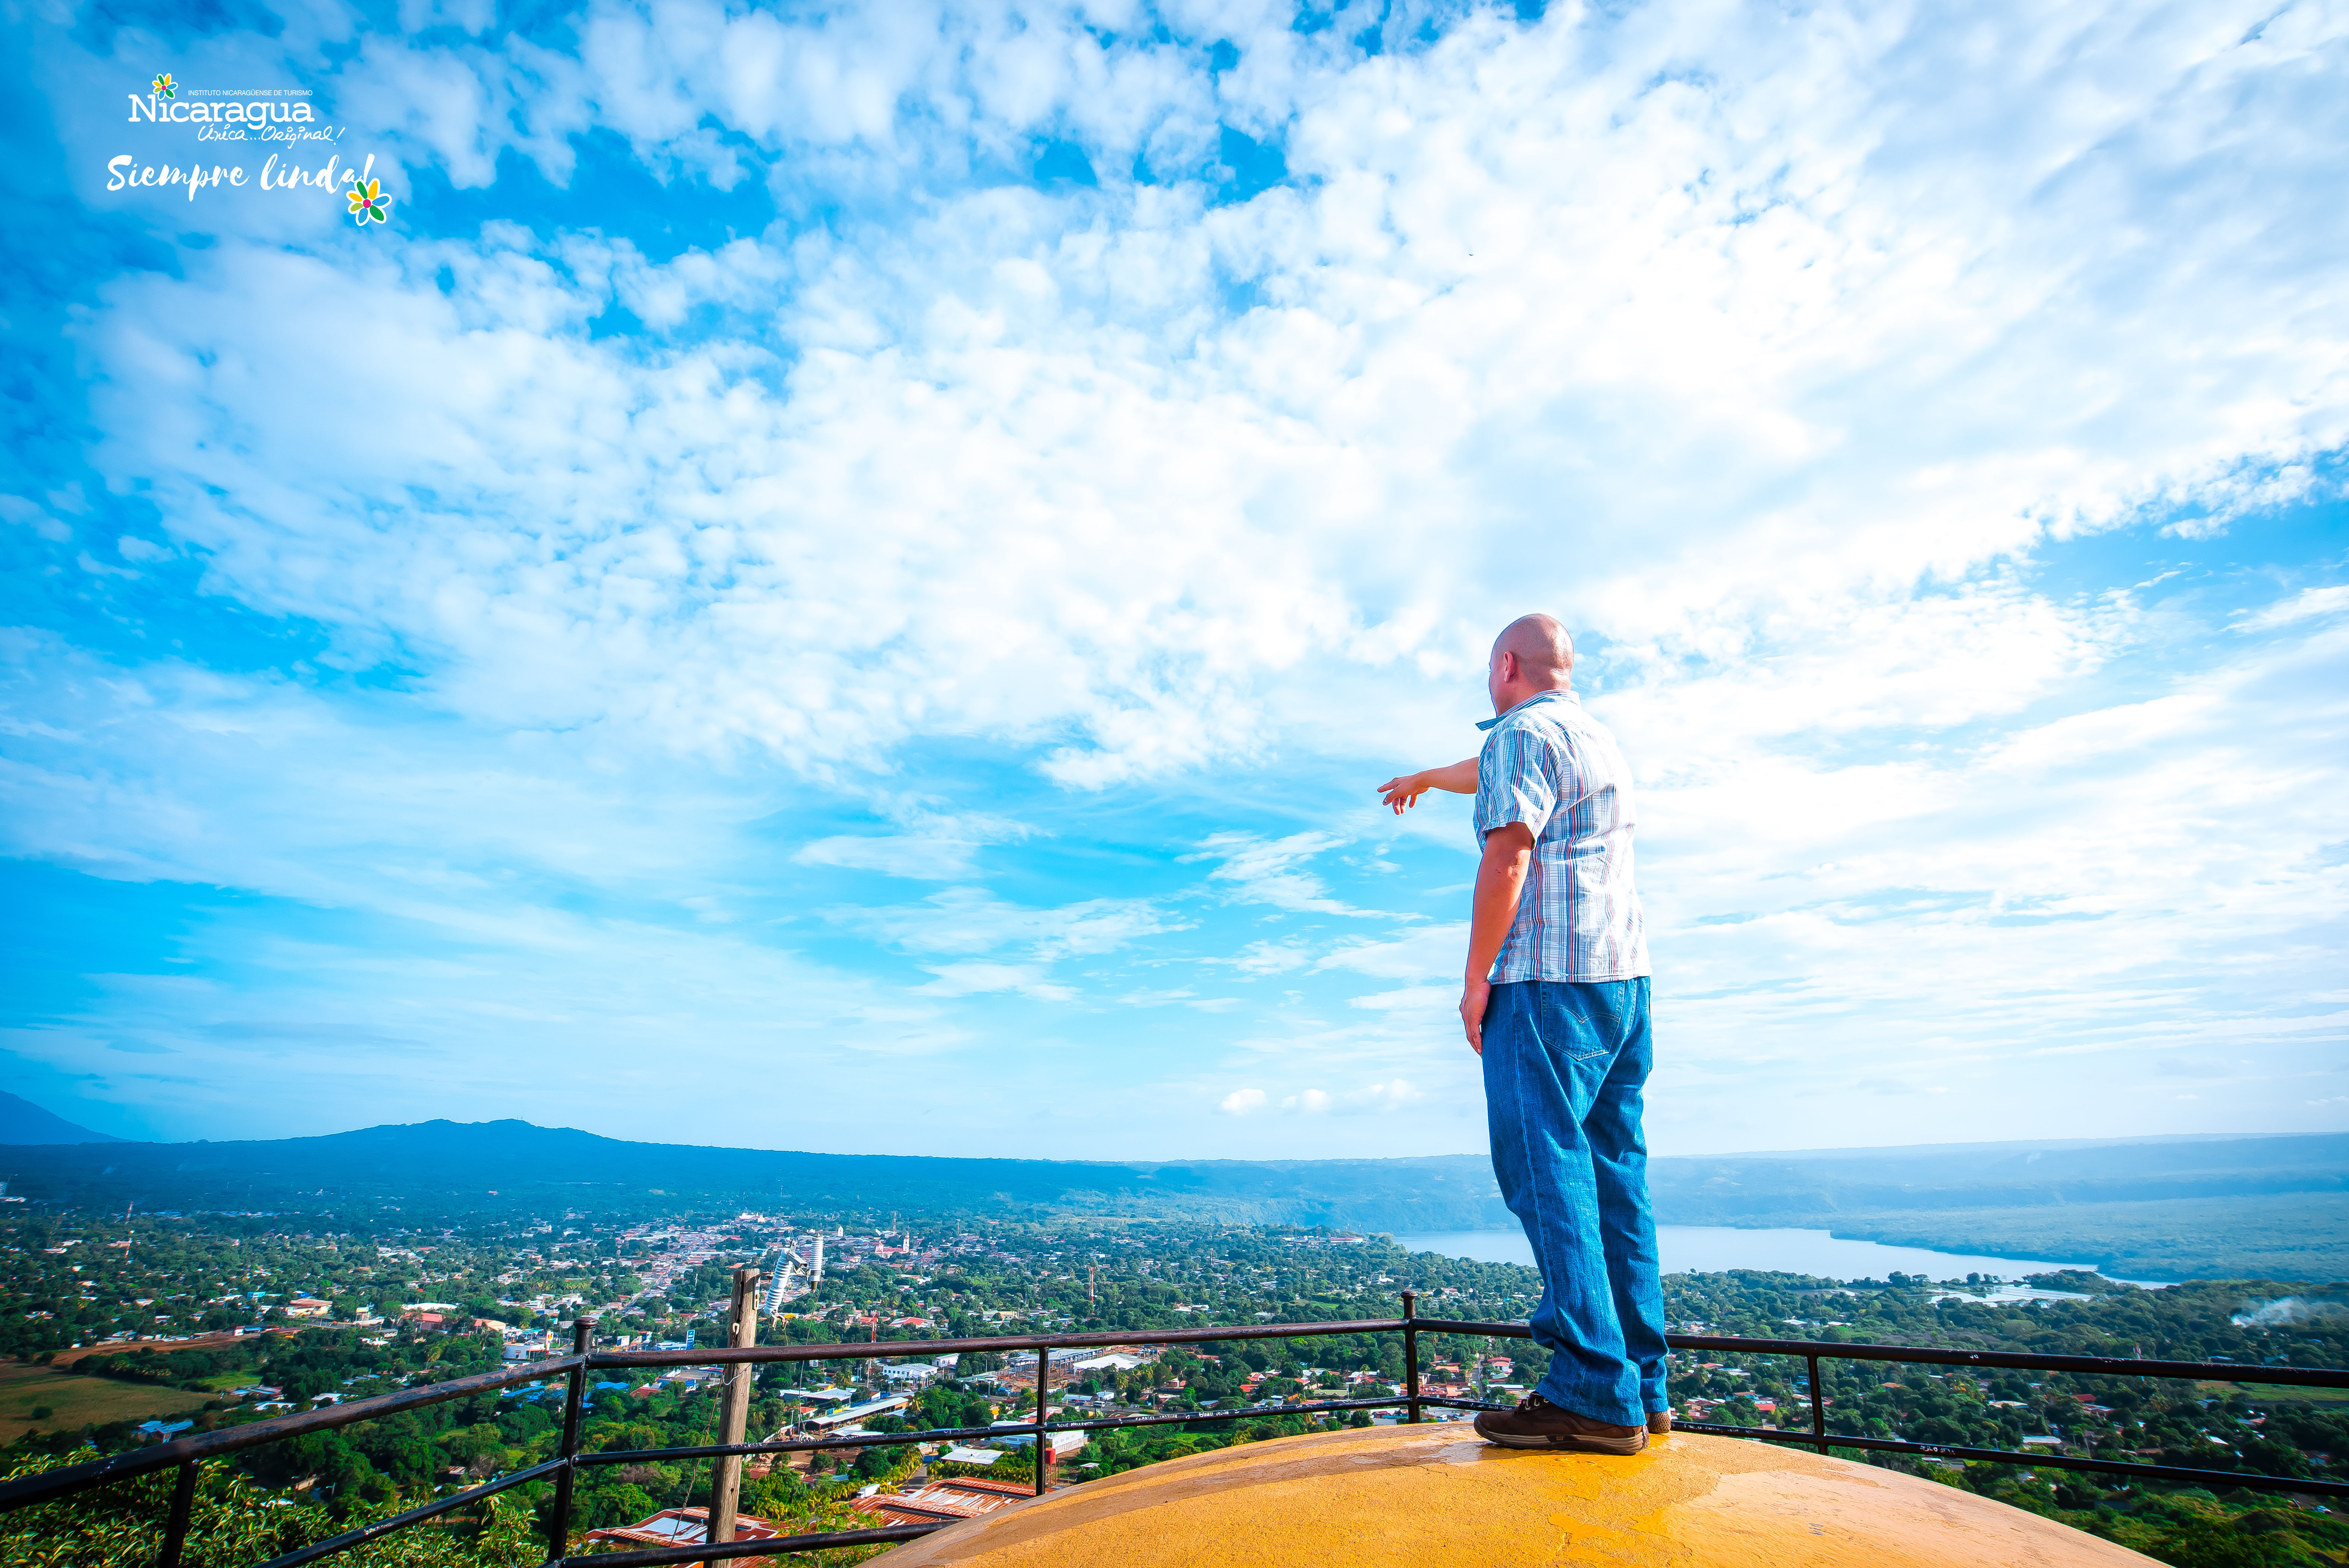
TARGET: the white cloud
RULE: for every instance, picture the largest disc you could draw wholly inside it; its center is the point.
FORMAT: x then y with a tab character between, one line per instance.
2065	887
1260	871
1180	995
1588	285
933	845
1424	953
28	514
976	978
2306	605
1272	956
559	1018
1241	1102
1442	1001
925	859
973	920
1775	348
1392	1095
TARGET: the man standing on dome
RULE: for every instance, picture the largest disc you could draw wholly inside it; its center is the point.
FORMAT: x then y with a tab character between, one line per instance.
1556	1003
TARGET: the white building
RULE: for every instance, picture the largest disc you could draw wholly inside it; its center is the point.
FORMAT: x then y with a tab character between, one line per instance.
1063	1443
831	1421
981	1457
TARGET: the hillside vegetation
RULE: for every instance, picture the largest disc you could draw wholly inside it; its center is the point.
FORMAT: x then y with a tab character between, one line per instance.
2294	1236
2159	1208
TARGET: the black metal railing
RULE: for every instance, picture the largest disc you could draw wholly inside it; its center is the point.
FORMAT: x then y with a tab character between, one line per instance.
186	1454
1814	1351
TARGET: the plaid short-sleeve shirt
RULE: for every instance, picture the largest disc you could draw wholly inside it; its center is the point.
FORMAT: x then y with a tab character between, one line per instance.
1555	768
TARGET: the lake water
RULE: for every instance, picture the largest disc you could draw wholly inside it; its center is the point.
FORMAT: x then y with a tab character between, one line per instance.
1706	1248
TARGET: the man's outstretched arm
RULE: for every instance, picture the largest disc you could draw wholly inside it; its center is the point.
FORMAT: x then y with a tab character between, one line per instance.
1402	794
1500	881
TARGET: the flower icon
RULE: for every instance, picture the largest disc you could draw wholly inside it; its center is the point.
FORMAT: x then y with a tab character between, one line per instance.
369	201
163	86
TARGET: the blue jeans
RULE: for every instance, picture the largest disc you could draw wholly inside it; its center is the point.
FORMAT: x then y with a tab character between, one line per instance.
1565	1064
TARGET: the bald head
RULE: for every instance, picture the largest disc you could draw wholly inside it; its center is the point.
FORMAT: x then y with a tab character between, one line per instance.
1532	655
1543	653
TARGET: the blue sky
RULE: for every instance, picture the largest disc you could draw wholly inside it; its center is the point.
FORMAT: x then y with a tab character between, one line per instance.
842	577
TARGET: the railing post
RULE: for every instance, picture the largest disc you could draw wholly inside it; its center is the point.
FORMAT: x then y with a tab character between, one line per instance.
734	1406
175	1525
1410	1354
558	1523
1818	1406
1043	1439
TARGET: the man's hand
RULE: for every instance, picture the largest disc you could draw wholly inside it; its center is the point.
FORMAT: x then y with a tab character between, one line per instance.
1473	996
1399	794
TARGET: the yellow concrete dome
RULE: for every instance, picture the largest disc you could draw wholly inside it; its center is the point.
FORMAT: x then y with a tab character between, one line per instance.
1436	1497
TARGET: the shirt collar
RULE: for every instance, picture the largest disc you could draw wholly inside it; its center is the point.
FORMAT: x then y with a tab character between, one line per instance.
1552	696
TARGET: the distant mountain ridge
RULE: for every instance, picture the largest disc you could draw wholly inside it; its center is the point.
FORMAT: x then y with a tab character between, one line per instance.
23	1122
506	1166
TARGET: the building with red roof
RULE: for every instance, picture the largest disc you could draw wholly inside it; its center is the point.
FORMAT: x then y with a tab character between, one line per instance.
944	1501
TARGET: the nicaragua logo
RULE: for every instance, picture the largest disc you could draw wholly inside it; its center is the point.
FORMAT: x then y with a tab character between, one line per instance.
162	104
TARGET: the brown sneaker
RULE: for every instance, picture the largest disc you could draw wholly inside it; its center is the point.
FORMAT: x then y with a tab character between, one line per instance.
1536	1423
1660	1423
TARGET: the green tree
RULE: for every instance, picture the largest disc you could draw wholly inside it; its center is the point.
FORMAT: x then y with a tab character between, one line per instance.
235	1523
2199	1540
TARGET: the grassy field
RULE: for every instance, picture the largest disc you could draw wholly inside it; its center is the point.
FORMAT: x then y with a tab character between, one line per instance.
2275	1394
194	1342
80	1401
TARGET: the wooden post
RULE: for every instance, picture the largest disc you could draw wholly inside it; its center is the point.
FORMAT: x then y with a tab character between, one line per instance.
734	1406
